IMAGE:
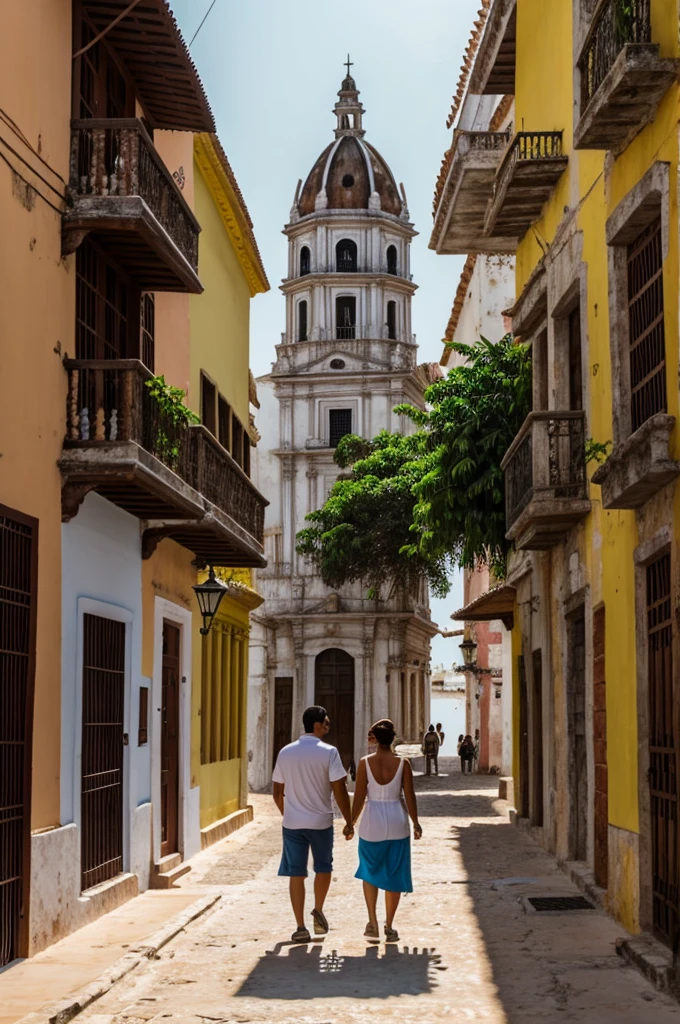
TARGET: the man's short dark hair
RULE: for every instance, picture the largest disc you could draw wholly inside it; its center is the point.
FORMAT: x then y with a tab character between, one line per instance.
431	729
313	715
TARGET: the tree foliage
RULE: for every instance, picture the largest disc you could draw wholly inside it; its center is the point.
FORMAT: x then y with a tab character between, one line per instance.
361	531
410	506
475	413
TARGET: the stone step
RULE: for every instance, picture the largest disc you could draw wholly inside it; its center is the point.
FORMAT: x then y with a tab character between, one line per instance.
167	863
168	878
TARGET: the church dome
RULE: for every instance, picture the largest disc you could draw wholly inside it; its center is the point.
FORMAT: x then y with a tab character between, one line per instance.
350	174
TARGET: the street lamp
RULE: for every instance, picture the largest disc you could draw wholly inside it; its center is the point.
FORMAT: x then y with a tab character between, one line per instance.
209	595
469	649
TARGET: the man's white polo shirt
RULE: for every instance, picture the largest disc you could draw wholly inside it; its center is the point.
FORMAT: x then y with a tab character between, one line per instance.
306	768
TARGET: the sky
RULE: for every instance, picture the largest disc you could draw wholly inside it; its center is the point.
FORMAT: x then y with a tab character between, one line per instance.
272	69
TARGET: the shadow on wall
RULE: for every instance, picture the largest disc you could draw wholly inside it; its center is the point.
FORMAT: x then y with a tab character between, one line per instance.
308	972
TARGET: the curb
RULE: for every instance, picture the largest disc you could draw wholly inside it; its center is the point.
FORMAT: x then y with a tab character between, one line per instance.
66	1009
653	960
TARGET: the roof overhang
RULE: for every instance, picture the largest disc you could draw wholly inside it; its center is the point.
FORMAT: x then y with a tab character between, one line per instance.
497	603
151	46
494	70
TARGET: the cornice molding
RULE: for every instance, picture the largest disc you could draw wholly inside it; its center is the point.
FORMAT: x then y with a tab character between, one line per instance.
232	210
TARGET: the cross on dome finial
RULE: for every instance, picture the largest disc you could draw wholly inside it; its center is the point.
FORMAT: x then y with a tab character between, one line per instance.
349	109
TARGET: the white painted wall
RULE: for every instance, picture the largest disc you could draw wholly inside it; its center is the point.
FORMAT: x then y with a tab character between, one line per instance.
101	575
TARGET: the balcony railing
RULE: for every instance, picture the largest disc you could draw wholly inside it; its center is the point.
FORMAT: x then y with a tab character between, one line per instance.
373	332
211	470
545	478
108	401
123	433
615	25
115	159
527	146
526	178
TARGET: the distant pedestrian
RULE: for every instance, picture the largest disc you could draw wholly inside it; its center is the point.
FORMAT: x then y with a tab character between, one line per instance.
384	833
467	754
460	743
431	751
440	734
306	773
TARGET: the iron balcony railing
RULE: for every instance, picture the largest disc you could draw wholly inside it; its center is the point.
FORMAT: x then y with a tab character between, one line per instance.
485	141
545	461
108	402
525	147
116	157
616	23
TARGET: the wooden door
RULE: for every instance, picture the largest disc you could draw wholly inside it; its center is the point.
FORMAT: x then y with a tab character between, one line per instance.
283	714
18	591
523	740
101	796
578	757
537	739
170	740
334	690
663	753
601	809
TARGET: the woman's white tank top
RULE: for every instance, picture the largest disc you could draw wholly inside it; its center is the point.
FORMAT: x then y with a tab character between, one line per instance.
384	816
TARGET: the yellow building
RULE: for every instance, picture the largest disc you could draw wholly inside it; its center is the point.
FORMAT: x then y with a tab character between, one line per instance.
232	273
586	195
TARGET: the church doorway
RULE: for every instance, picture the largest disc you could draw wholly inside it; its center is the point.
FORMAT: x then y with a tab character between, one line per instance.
334	690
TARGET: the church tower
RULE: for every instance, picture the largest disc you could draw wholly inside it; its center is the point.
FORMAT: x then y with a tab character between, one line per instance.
347	357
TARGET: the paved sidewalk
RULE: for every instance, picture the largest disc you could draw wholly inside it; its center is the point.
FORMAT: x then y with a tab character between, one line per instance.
468	950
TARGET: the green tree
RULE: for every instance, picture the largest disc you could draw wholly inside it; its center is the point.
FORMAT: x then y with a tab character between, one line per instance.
474	414
411	506
363	529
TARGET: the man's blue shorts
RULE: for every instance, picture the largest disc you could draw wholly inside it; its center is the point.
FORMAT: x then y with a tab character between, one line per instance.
296	845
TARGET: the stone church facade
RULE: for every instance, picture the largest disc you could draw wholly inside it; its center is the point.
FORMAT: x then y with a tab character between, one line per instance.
346	359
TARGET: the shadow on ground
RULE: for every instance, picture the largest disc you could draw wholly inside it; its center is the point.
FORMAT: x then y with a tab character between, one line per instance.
309	972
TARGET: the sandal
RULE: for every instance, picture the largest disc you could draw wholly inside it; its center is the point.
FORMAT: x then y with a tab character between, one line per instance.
320	922
301	935
391	934
371	931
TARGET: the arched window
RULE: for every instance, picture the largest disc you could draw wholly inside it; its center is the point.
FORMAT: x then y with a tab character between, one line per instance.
391	259
392	320
346	256
305	260
346	317
302	320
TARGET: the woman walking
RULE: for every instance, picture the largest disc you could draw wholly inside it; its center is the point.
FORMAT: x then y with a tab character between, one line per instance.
384	833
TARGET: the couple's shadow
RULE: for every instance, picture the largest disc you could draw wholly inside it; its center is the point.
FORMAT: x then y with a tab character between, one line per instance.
314	972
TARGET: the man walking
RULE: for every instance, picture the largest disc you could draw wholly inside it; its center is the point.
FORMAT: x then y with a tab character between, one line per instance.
306	773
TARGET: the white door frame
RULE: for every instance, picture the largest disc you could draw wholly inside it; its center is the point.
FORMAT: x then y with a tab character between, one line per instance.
188	799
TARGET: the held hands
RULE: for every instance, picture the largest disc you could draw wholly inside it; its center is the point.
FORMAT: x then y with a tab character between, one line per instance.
348	832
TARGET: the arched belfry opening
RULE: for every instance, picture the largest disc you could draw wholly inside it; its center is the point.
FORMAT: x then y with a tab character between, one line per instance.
334	690
346	256
304	261
391	259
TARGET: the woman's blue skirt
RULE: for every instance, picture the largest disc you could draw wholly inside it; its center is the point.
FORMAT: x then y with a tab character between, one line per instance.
386	865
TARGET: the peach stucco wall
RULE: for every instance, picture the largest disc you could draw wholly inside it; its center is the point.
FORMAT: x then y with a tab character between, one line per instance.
37	299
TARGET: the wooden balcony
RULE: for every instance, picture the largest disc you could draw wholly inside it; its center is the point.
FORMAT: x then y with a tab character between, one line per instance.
460	217
623	76
546	491
121	192
178	480
526	178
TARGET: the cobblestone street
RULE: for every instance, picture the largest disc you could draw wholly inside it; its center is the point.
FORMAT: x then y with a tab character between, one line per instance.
469	950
